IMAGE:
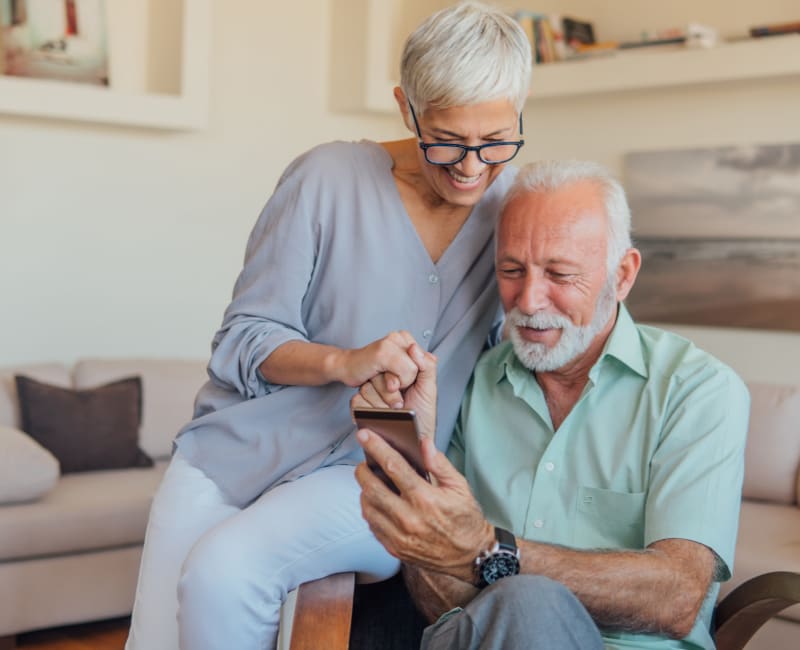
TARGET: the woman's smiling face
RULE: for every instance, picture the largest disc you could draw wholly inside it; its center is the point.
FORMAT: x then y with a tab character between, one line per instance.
463	183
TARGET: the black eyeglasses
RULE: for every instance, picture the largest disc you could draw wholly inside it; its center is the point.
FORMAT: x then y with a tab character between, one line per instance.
447	153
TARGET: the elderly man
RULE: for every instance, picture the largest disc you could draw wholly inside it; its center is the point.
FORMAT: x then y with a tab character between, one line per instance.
590	493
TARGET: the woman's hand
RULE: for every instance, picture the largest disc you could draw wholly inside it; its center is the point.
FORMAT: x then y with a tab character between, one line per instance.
387	356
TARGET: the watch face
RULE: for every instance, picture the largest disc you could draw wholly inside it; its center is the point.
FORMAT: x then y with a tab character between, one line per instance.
499	565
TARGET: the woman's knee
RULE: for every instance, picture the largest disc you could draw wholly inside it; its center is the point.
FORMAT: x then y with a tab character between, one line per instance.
218	568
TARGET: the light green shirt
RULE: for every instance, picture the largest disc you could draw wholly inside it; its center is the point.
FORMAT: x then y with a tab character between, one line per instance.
653	449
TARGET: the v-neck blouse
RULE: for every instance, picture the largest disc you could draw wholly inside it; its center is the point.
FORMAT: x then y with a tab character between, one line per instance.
335	259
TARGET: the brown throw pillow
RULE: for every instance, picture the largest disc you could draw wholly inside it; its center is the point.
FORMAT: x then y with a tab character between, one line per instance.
85	429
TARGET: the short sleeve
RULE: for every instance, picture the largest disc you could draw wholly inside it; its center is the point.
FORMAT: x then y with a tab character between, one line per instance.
698	468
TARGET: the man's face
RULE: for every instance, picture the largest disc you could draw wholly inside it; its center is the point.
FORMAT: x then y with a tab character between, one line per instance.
552	274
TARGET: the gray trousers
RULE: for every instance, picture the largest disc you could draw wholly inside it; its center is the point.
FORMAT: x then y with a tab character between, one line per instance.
527	612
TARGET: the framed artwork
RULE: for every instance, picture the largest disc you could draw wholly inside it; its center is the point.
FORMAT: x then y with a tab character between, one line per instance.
719	231
55	39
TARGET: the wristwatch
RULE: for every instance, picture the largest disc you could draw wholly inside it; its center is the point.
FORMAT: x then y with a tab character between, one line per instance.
500	561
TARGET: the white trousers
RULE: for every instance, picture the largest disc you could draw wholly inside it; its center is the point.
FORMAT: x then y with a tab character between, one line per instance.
214	576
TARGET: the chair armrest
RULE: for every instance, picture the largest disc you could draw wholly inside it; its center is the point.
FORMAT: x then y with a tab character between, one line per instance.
744	610
322	613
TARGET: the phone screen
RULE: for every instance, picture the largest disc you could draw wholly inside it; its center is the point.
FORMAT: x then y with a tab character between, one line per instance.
398	427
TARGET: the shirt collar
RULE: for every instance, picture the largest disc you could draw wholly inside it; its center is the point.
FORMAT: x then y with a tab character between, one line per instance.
623	344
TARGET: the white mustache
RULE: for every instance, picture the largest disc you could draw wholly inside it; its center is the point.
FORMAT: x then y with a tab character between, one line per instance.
539	320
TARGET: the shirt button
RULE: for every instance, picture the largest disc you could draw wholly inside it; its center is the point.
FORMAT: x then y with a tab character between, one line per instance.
433	278
427	334
549	467
538	523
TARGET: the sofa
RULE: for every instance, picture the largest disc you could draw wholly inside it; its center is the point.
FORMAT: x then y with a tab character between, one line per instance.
70	543
769	522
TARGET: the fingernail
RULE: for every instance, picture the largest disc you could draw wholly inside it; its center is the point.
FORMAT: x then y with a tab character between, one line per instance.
397	405
362	435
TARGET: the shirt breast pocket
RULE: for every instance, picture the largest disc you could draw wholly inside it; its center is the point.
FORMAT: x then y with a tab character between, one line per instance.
609	519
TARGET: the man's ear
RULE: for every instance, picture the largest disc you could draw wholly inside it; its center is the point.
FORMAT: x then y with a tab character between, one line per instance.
627	271
402	104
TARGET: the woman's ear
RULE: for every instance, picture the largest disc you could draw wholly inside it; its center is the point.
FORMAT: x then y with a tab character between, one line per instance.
627	271
402	104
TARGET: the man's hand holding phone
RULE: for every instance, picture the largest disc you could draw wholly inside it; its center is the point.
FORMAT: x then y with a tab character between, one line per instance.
437	525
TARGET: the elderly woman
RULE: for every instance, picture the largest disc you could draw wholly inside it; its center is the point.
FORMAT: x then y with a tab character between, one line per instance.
363	249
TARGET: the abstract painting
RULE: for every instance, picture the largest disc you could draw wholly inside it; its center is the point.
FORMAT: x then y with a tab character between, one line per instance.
719	231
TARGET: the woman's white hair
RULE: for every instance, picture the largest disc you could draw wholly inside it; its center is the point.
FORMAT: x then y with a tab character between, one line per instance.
466	54
551	175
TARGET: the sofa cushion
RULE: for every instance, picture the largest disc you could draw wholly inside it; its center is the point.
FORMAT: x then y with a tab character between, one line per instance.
772	455
85	429
168	390
51	373
27	470
83	512
769	540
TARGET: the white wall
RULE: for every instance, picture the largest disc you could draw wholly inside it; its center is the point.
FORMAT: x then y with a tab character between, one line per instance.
119	241
127	242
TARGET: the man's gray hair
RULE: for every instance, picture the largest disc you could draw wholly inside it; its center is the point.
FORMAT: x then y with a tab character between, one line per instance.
551	175
466	54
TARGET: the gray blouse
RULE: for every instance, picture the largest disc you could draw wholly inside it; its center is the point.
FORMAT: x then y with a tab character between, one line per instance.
335	259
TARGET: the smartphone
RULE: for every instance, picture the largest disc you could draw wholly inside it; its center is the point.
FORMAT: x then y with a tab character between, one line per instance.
398	427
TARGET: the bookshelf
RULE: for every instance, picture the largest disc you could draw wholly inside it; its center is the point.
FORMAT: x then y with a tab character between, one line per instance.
776	56
185	110
369	84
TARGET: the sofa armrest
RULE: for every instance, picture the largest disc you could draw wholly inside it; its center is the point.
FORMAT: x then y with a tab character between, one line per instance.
743	611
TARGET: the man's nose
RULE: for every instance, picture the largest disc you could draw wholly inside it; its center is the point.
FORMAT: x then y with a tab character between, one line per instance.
534	295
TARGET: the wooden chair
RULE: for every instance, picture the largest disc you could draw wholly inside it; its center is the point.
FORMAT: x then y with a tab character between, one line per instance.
334	614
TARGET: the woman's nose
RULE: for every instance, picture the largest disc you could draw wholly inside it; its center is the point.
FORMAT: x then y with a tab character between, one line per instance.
471	164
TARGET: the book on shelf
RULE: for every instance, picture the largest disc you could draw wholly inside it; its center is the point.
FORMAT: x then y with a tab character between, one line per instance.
775	29
577	32
546	34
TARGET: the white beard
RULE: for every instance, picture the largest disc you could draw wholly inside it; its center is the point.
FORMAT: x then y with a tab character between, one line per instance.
574	339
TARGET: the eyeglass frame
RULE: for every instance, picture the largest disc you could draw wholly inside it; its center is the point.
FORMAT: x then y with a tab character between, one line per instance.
465	149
